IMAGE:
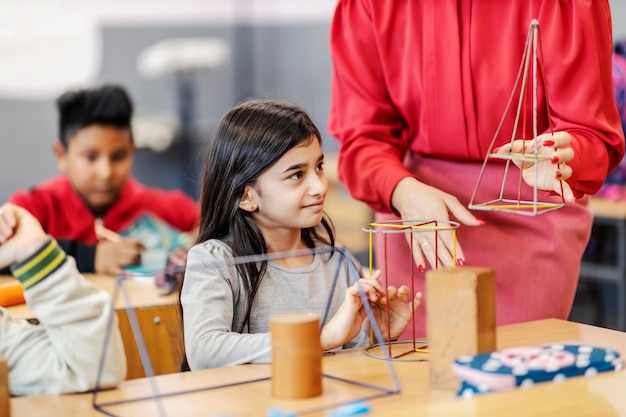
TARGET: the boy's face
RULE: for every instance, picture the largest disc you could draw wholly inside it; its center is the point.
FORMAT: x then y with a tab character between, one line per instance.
97	161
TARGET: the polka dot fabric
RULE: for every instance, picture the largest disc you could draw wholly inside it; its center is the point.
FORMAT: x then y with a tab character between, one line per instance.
525	366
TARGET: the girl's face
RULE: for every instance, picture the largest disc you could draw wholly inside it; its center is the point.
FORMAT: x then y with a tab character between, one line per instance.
290	194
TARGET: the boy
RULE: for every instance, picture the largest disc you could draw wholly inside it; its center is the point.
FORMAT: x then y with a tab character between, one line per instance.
61	355
95	153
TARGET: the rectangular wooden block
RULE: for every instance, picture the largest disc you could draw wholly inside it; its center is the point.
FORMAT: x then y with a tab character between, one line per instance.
5	393
461	319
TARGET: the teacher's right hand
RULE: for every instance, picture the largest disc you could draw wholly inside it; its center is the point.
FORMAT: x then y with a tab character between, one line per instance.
415	200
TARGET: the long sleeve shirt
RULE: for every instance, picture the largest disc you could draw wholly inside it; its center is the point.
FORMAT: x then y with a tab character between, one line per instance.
214	303
64	215
62	353
434	78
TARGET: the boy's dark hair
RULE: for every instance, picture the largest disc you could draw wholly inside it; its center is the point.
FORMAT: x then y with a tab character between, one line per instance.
108	105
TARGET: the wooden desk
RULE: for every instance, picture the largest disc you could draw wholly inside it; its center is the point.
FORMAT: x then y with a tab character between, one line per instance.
602	395
602	207
158	318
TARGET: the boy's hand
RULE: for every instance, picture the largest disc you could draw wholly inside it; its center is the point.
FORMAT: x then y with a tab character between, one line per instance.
112	257
20	234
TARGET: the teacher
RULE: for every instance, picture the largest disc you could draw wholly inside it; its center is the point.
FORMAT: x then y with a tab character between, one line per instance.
418	90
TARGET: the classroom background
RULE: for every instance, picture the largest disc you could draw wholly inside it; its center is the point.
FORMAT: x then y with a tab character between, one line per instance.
269	48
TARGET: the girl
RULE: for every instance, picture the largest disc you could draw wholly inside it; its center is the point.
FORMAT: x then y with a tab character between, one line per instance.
263	190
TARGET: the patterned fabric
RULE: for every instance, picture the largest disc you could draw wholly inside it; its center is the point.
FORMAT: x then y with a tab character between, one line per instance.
171	277
525	366
619	85
613	187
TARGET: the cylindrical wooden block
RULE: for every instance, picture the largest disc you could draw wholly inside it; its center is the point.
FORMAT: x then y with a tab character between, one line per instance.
296	356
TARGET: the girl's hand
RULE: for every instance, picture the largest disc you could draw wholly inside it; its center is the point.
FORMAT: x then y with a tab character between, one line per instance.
393	312
348	321
552	168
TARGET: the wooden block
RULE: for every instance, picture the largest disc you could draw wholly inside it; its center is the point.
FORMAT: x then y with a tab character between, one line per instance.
5	392
461	319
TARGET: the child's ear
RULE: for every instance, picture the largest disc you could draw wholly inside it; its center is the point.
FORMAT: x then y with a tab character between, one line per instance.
247	202
60	154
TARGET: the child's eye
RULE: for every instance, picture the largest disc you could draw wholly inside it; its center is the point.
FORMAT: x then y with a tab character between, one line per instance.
297	175
91	157
320	166
120	156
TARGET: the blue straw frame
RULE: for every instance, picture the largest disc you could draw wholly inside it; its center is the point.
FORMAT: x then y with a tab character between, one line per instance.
157	397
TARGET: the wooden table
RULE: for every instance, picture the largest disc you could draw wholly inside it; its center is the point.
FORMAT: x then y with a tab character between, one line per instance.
602	395
158	318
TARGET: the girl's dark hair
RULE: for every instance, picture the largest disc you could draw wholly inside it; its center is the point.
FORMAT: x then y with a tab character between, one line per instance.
249	139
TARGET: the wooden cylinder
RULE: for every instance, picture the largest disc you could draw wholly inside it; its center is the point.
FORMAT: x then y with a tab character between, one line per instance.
296	356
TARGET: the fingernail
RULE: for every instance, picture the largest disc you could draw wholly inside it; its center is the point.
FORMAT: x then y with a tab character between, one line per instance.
460	262
558	175
496	149
420	268
548	142
479	220
554	159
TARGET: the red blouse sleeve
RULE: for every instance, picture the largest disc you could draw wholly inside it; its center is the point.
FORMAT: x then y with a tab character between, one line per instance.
371	134
577	47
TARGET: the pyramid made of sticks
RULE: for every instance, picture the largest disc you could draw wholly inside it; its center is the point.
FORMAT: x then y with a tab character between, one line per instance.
513	196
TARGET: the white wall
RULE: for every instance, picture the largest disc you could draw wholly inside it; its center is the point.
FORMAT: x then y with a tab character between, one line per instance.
176	12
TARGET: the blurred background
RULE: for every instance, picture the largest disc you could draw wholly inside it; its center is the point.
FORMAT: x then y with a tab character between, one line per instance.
184	62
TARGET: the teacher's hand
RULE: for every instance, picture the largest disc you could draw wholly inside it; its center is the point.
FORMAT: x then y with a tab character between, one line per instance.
415	200
552	169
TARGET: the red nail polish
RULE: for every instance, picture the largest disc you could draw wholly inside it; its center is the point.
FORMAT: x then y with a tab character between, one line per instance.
496	149
558	175
460	262
420	268
479	220
548	142
554	159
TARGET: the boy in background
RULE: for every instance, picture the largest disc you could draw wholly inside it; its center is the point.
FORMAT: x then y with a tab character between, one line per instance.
95	153
61	355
